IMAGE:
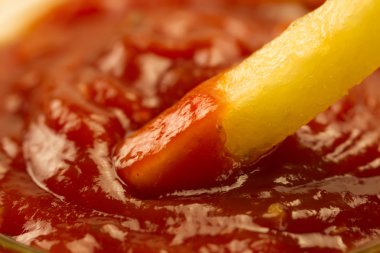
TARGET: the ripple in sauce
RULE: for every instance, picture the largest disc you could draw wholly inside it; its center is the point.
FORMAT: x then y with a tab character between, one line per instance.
94	71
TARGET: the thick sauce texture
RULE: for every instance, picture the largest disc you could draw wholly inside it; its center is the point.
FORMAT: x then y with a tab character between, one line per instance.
93	72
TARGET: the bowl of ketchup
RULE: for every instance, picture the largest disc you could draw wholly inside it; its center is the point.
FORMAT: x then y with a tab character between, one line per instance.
90	72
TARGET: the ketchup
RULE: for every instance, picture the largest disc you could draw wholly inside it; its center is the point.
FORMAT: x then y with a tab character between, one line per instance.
92	72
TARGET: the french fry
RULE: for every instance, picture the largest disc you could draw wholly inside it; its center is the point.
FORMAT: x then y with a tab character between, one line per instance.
241	114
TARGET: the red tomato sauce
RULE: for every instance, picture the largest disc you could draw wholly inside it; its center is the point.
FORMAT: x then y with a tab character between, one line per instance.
94	71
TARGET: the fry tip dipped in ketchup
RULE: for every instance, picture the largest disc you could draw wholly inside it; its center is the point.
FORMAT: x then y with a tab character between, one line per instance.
238	116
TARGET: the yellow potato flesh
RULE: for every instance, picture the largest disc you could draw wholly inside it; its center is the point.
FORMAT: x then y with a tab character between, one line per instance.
17	16
299	74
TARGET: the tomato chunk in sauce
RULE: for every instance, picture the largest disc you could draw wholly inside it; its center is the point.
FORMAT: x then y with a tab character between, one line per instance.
92	72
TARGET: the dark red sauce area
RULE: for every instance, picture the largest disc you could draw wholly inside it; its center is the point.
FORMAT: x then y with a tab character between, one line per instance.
95	71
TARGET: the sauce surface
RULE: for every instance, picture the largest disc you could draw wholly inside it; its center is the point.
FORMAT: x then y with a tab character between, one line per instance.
95	71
